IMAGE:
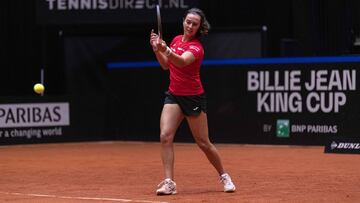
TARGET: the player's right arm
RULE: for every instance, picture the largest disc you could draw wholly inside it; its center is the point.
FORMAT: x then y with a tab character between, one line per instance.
160	56
162	59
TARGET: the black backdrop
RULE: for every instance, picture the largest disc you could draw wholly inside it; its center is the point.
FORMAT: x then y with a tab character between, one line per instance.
314	28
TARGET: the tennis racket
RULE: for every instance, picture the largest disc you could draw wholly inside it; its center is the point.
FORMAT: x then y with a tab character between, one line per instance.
159	21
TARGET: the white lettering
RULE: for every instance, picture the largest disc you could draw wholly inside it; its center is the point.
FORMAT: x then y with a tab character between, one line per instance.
85	4
322	80
37	114
325	101
295	80
322	129
261	80
279	102
334	80
348	145
112	4
349	81
103	4
73	4
252	81
61	4
298	128
51	4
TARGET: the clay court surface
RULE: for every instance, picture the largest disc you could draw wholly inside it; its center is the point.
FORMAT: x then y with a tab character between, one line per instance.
130	171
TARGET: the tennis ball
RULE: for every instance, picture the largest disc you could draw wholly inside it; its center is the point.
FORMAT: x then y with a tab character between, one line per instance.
39	88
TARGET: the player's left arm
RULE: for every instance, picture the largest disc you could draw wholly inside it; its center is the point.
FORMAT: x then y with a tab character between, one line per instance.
186	58
182	60
191	54
162	59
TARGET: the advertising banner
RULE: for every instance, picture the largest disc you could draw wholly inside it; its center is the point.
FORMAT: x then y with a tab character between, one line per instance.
109	11
300	101
25	121
34	115
343	145
49	119
290	103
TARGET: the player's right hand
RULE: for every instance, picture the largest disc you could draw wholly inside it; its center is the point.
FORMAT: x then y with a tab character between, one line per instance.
154	39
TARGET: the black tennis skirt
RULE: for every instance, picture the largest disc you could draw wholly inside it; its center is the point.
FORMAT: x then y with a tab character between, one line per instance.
190	105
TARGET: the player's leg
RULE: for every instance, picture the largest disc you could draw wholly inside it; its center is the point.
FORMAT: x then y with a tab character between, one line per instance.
171	117
199	127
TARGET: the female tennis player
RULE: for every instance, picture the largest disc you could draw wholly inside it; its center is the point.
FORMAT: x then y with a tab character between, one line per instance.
185	97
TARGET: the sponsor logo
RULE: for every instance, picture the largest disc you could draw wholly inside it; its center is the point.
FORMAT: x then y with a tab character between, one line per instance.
196	108
345	145
194	48
282	128
289	91
34	115
111	4
333	145
314	129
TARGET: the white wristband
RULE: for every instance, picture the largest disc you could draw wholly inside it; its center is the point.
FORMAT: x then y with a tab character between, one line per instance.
168	51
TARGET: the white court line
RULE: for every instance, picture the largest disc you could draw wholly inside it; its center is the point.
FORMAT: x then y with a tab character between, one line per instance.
79	198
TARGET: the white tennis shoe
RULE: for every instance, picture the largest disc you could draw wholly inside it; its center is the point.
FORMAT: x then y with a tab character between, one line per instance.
228	184
166	187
